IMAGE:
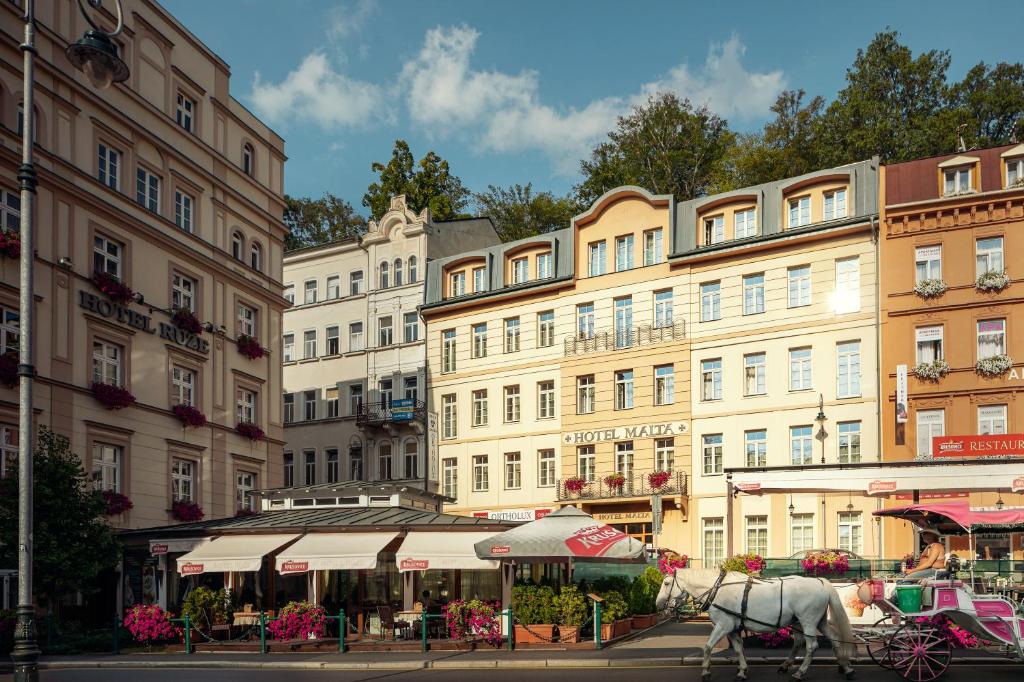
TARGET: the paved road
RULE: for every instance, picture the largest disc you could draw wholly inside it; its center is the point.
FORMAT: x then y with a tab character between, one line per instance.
964	673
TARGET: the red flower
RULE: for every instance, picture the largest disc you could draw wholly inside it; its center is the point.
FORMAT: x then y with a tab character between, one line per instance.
149	623
189	416
249	430
658	478
112	397
110	285
187	511
250	347
10	243
116	503
9	369
615	480
186	320
576	484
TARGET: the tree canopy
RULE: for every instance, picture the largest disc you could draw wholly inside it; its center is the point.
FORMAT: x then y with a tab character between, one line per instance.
518	212
319	221
428	183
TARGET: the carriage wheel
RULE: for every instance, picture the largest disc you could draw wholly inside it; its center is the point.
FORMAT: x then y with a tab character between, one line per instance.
919	652
877	641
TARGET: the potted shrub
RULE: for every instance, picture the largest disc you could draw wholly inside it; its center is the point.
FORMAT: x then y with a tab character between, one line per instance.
189	415
643	595
572	613
249	430
931	371
995	366
9	369
474	618
299	620
930	288
186	320
10	243
112	397
993	280
250	347
615	481
825	563
117	503
183	510
575	485
112	287
533	607
206	608
615	618
751	564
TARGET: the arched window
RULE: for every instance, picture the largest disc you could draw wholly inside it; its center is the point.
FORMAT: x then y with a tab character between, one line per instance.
355	459
237	244
248	156
382	281
412	269
256	256
398	272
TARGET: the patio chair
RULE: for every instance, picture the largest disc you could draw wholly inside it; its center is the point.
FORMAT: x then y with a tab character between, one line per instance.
389	624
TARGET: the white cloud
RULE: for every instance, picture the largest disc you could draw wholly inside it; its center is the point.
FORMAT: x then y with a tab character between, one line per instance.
318	93
347	21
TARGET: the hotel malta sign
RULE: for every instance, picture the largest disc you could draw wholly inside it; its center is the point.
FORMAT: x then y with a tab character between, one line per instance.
637	432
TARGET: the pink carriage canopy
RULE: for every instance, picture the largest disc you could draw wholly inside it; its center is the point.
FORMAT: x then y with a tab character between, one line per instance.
957	517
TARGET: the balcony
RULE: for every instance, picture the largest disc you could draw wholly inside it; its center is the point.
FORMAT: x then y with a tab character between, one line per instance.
636	485
609	339
391	413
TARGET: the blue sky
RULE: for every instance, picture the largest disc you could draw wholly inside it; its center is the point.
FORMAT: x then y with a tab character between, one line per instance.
518	92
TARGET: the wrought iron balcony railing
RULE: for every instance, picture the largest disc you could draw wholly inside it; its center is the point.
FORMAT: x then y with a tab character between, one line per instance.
611	339
635	485
391	412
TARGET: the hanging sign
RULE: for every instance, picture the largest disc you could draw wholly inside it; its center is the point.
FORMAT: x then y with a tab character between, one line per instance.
901	391
190	569
294	566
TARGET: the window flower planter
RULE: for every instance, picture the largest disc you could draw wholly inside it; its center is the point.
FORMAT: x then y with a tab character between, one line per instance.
995	366
576	484
658	478
615	481
250	431
112	397
186	320
243	512
189	416
931	371
9	369
10	244
117	503
992	281
250	347
187	511
825	563
112	287
744	563
930	288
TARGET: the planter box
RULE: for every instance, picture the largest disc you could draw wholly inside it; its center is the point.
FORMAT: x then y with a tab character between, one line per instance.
644	622
607	631
537	634
570	634
622	627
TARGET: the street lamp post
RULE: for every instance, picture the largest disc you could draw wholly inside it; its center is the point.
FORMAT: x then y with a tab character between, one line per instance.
96	55
821	419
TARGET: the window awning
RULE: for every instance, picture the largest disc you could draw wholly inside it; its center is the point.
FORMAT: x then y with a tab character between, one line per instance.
425	550
232	553
333	551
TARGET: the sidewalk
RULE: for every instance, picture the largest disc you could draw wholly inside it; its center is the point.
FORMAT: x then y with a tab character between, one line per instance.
670	644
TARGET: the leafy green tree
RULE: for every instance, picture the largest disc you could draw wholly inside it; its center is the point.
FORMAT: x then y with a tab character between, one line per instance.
319	221
426	184
665	145
518	212
73	541
990	100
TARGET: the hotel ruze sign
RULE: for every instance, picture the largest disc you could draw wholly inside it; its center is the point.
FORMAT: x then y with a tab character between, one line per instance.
957	447
625	433
144	323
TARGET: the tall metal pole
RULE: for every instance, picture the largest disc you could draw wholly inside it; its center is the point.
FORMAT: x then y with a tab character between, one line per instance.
26	651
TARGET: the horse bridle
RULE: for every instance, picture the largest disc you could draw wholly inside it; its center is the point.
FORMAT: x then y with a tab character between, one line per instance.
701	602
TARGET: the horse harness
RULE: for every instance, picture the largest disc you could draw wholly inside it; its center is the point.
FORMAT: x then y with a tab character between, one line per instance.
742	615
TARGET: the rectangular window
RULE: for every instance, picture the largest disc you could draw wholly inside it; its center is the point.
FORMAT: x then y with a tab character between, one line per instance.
109	166
106	362
411	387
746	225
546	400
185	112
710	301
355	399
597	258
664	385
663	308
183	386
411	327
755	444
653	250
10	330
586	463
957	181
848	370
450	484
801	532
624	253
800	369
799	212
480	473
480	407
449	416
479	340
147	189
309	405
309	292
546	468
799	284
457	284
711	450
106	256
753	294
757	535
355	282
755	374
289	407
714	230
624	462
929	343
624	389
289	293
355	337
546	329
801	442
711	379
183	480
664	454
849	442
309	344
10	210
991	338
184	207
385	335
333	467
183	292
714	542
585	394
245	487
386	389
246	320
512	404
930	424
624	322
585	321
512	335
1014	172
544	269
988	255
333	340
106	467
331	400
520	270
384	464
851	532
927	263
289	469
479	279
410	459
847	285
991	420
835	205
309	462
333	287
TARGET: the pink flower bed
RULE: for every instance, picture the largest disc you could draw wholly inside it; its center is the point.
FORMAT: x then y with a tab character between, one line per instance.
474	618
658	478
299	620
957	637
112	397
189	415
150	623
668	563
821	563
250	347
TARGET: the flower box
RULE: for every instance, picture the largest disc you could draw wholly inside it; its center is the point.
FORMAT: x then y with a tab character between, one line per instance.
658	479
668	562
995	366
117	503
250	347
644	622
930	288
537	634
931	371
992	281
615	481
112	287
568	634
112	397
576	484
9	369
622	627
189	415
187	511
186	320
243	512
607	631
10	243
250	431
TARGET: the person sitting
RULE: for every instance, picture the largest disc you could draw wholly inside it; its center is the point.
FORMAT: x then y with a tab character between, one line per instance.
933	559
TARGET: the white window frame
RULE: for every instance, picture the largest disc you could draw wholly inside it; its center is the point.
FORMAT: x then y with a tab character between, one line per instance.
185	112
927	263
624	389
183	292
410	327
714	230
520	270
109	166
654	252
479	331
710	301
385	331
755	447
513	403
546	399
957	181
147	189
799	211
745	223
546	468
107	361
597	258
753	293
245	486
332	340
992	420
848	365
798	286
545	328
108	256
711	379
850	529
928	343
994	333
712	449
310	291
450	477
585	321
847	293
183	385
183	480
333	287
990	257
664	385
246	315
585	394
512	334
663	313
245	405
481	474
586	463
479	280
665	454
450	416
801	369
309	344
1014	171
355	282
801	445
479	398
835	205
356	342
624	247
184	210
756	535
713	541
107	459
849	444
288	347
801	532
755	374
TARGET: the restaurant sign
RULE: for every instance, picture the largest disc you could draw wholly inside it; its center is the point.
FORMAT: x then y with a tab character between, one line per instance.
881	487
414	565
294	566
500	549
191	569
143	323
157	549
946	447
1018	485
594	541
626	433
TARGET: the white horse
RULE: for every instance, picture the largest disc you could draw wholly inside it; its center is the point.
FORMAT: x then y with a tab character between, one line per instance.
771	604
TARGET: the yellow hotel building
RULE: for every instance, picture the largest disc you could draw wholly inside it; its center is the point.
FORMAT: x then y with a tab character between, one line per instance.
624	363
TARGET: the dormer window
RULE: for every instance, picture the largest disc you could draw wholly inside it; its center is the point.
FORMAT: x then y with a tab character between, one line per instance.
746	224
957	181
544	265
457	284
520	270
714	230
479	279
835	204
1015	172
799	212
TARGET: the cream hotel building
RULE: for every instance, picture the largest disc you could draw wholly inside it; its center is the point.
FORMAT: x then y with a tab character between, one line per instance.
624	364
